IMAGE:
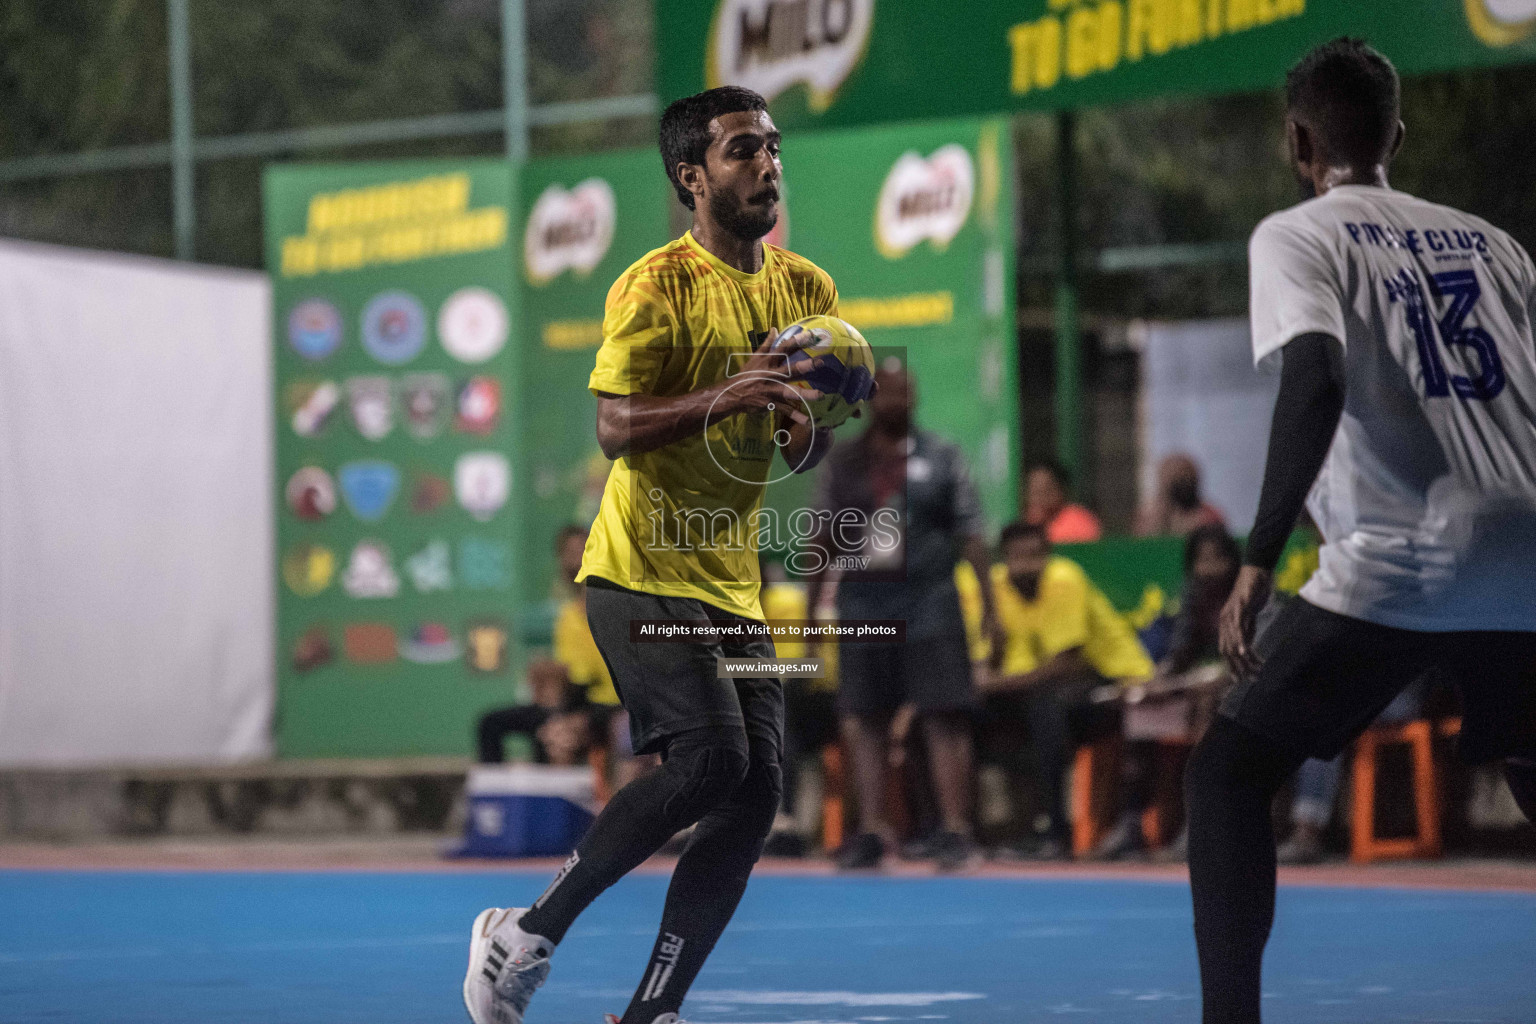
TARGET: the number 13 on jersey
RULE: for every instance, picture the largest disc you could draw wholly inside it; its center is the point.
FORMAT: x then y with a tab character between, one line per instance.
1462	290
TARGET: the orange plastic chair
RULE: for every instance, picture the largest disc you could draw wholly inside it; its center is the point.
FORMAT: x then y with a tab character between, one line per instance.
1089	764
602	788
833	807
1365	847
1093	782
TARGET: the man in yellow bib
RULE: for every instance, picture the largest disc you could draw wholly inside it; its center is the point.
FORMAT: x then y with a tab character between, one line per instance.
692	406
1064	639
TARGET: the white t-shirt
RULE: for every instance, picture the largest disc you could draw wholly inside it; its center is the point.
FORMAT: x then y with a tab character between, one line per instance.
1427	500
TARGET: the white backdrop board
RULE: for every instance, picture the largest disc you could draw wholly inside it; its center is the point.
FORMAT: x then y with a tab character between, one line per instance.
135	525
1202	396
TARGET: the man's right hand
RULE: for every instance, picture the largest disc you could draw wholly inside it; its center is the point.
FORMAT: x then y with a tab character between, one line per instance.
638	423
1238	617
762	382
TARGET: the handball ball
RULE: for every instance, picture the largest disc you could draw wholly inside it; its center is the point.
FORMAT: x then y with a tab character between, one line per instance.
847	371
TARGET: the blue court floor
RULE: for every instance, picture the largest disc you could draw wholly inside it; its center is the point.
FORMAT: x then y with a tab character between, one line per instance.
390	948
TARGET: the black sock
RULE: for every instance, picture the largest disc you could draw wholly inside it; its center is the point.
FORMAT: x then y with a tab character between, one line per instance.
1232	779
703	767
707	884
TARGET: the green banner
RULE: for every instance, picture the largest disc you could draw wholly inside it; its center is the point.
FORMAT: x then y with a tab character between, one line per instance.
914	223
588	218
838	62
397	424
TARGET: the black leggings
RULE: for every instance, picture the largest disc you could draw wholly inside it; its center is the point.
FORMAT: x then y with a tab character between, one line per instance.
1233	776
718	778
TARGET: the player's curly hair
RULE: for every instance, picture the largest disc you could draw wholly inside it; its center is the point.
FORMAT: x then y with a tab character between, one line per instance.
1348	93
685	128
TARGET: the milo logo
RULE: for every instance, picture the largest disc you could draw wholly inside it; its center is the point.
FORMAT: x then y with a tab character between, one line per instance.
770	45
924	199
1501	22
569	230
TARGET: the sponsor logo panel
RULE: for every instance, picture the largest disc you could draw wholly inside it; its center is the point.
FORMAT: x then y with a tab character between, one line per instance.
369	488
771	45
472	325
569	230
370	643
924	199
315	329
394	327
311	494
308	569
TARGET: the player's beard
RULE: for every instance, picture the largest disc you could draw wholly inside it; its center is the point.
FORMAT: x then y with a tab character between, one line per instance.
746	221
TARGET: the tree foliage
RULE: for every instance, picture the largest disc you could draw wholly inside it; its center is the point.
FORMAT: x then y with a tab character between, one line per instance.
88	74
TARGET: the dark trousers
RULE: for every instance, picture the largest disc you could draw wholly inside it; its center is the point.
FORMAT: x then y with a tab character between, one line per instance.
1061	718
1035	732
522	720
810	723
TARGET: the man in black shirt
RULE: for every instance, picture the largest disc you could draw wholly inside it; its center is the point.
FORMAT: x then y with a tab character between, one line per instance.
900	475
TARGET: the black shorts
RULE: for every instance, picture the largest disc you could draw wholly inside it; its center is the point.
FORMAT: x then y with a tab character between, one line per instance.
1325	677
933	675
672	686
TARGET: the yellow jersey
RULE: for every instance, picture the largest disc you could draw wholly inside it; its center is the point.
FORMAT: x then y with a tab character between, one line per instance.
969	588
680	521
786	602
577	651
1069	611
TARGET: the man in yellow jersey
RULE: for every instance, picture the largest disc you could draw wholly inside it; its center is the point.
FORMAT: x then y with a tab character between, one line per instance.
692	406
1063	639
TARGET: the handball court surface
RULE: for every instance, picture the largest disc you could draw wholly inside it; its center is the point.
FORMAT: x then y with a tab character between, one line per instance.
377	934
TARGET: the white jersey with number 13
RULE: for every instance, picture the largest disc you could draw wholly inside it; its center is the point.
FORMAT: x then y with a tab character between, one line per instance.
1427	500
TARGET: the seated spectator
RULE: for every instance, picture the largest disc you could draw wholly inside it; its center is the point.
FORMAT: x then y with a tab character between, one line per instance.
1177	509
1064	523
1063	640
1178	703
810	706
573	696
554	721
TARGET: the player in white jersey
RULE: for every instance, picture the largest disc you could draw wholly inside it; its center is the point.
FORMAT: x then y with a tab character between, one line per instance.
1407	407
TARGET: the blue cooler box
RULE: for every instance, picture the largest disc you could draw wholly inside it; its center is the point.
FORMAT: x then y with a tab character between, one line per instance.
526	810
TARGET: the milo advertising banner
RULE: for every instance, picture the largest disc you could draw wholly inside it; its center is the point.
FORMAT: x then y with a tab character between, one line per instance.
397	421
914	223
587	219
837	62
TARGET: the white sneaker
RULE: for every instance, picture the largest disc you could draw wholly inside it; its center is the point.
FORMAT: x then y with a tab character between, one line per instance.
506	966
666	1018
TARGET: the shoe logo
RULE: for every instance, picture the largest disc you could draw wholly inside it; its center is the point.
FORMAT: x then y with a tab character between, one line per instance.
495	958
